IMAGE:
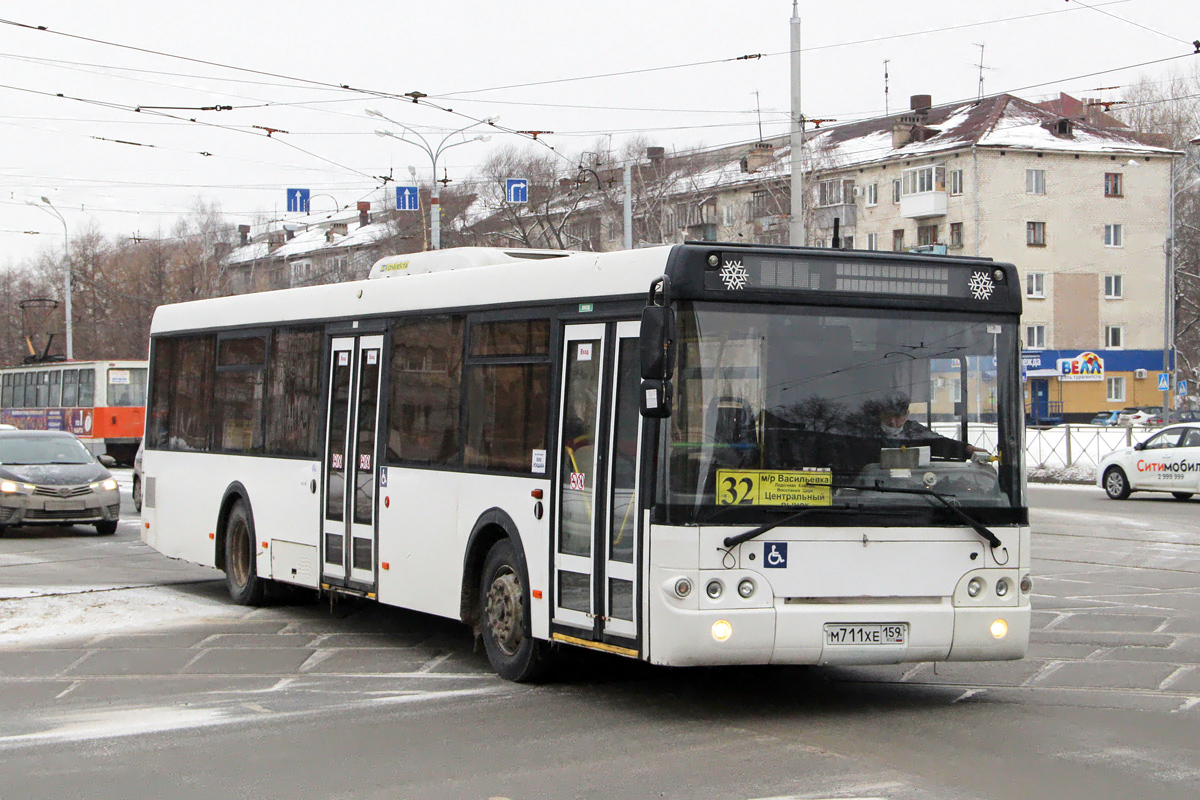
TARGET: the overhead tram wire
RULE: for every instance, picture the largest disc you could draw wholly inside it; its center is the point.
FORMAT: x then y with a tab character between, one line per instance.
1098	10
195	121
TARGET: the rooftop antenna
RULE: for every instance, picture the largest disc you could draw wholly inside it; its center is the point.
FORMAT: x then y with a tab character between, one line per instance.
758	108
885	86
981	69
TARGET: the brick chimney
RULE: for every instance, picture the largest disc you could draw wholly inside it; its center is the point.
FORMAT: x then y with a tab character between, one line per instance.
759	156
364	213
907	127
275	240
244	232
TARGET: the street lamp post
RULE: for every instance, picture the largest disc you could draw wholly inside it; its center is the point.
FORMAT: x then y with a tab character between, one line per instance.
49	208
435	203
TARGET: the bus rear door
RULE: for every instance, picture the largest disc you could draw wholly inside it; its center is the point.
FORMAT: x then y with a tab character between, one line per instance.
597	553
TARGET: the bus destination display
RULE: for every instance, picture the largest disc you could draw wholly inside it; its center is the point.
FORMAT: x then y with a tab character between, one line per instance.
775	272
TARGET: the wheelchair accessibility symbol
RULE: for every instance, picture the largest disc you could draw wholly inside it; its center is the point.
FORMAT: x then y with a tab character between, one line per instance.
774	555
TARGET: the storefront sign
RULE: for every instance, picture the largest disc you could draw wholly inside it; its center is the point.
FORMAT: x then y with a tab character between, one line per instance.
1083	367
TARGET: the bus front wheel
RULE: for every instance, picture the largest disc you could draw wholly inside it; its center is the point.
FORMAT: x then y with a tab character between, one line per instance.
504	618
241	555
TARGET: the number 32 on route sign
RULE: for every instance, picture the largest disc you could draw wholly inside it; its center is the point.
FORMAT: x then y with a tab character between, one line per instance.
759	487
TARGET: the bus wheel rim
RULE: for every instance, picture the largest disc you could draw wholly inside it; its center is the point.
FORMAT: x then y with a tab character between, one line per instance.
240	557
504	612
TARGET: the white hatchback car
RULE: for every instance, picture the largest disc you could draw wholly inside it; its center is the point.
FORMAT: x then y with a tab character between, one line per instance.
1169	461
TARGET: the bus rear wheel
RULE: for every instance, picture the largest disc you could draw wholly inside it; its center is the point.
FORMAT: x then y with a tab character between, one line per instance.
241	555
1182	495
504	618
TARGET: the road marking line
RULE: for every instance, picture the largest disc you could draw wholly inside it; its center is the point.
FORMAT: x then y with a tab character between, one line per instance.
434	663
315	659
1175	676
68	690
969	693
1187	705
258	708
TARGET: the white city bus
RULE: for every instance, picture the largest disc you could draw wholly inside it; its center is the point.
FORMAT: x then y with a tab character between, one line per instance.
673	454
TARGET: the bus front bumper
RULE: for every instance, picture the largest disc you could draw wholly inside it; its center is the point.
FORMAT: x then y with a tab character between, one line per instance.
797	633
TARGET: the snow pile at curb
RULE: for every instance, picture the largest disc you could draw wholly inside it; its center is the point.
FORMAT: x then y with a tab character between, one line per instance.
51	617
1080	473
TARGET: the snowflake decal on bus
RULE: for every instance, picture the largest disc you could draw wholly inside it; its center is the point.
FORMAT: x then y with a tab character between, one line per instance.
981	286
734	275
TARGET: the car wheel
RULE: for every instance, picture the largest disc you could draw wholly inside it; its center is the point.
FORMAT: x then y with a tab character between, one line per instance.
137	493
1182	495
1116	484
106	528
504	617
241	556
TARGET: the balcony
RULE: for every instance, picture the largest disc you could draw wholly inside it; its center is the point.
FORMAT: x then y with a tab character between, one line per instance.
923	192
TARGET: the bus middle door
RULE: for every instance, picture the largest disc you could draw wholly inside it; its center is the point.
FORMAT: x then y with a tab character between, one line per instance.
596	585
348	540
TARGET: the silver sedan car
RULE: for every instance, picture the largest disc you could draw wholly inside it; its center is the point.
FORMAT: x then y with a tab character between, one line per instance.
50	478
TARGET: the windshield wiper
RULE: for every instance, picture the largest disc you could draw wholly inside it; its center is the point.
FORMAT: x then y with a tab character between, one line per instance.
732	541
976	526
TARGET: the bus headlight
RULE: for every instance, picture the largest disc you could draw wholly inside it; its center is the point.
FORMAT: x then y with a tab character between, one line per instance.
1026	584
746	588
1002	587
714	589
683	587
999	629
721	630
974	587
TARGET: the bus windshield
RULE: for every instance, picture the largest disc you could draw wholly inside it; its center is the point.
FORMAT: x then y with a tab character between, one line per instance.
782	407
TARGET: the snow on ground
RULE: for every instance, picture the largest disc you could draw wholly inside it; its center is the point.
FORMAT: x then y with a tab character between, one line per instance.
84	614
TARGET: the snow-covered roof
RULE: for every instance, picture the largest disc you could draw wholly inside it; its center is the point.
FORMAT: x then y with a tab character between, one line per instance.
310	235
1003	121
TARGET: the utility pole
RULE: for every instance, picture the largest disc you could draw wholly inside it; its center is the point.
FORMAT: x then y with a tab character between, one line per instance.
627	175
49	208
797	234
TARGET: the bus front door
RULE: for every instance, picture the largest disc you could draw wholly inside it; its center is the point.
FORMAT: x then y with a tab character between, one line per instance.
596	584
348	541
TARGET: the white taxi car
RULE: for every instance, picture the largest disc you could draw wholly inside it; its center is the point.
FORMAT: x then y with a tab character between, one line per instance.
1169	461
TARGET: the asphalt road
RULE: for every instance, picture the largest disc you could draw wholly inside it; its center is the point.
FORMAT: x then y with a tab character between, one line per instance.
359	701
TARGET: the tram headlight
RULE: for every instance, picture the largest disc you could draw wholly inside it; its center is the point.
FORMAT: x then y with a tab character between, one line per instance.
683	587
721	630
714	589
974	587
746	588
999	629
1002	587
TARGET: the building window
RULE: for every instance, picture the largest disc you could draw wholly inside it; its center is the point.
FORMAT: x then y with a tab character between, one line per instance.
872	241
896	191
1113	288
1114	184
1035	181
956	234
897	241
1035	337
729	215
956	182
758	204
872	194
1035	234
1116	389
1114	337
1114	236
835	192
1035	284
847	242
927	234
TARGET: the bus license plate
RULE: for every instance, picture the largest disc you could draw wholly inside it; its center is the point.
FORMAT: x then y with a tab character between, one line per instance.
876	633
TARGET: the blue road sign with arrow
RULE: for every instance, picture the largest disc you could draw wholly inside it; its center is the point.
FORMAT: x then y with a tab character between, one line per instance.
297	200
517	190
408	198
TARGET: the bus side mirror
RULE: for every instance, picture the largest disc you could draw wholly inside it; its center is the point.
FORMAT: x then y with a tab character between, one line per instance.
655	399
658	342
107	460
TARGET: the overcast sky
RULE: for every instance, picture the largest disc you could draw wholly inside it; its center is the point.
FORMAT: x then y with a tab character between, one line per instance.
677	82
